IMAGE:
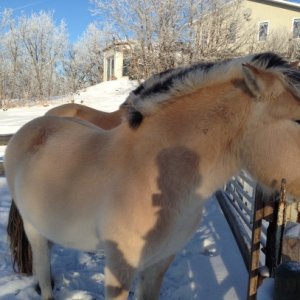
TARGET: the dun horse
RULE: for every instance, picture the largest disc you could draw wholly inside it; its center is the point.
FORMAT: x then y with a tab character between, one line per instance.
137	190
99	118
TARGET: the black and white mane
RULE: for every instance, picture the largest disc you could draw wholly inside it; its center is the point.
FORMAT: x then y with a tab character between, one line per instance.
164	87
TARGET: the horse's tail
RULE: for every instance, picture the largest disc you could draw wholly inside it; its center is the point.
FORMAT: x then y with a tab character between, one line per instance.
19	245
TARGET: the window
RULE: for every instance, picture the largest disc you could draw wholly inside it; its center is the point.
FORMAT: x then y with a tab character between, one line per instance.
126	62
232	33
263	31
296	28
110	68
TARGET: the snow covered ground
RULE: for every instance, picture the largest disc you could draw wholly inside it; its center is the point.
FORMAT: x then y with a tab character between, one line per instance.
106	96
210	266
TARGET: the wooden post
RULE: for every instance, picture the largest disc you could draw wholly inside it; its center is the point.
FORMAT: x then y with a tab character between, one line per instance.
275	230
4	138
291	242
280	221
271	260
258	215
287	277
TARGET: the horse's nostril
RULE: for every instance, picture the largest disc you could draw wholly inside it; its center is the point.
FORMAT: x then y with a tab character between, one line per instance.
297	121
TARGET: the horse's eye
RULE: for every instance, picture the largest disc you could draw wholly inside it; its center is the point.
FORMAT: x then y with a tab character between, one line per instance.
297	121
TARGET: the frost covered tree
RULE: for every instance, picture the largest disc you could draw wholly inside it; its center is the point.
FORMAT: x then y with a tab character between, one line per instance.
84	63
45	44
165	34
10	53
37	60
154	28
221	31
31	53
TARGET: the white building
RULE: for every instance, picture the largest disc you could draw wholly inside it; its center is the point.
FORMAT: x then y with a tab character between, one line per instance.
115	61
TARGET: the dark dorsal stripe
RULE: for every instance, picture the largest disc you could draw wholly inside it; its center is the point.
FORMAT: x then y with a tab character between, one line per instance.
270	60
135	118
164	82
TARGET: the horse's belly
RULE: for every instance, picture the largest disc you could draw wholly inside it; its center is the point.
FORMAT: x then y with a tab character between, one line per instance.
72	235
83	242
60	215
78	235
71	227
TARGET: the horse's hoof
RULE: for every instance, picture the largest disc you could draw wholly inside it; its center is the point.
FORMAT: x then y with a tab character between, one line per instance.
38	288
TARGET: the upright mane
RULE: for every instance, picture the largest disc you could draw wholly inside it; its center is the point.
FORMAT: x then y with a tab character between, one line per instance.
165	87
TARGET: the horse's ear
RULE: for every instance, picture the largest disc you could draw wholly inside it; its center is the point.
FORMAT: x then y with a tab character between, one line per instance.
251	76
260	82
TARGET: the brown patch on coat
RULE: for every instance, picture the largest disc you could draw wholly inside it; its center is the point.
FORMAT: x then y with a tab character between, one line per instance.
40	139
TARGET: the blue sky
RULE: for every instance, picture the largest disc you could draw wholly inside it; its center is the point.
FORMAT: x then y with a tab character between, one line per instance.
75	12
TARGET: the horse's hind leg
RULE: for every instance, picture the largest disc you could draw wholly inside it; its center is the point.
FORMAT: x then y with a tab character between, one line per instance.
151	280
41	260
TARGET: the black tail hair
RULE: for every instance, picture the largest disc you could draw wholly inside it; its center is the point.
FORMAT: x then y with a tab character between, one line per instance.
19	245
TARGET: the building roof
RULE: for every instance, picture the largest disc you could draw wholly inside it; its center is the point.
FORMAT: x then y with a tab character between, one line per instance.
287	4
116	44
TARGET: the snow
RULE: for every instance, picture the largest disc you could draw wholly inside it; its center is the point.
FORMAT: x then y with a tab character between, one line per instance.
209	267
292	230
291	266
106	96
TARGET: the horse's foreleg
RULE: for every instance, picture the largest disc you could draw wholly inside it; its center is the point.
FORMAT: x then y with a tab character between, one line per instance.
118	273
41	260
114	289
151	279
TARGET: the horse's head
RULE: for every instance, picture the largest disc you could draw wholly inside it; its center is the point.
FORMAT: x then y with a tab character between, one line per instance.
271	145
256	98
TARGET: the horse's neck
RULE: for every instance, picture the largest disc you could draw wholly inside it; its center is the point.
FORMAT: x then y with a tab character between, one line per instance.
205	125
217	113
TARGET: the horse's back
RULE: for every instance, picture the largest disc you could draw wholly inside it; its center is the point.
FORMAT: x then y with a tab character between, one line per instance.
101	119
66	110
73	110
51	138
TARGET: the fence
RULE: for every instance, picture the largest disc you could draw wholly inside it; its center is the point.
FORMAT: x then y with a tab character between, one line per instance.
257	220
3	142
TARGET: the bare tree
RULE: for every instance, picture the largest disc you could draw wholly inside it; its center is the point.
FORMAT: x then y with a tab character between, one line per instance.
89	54
165	34
154	28
12	43
279	41
45	44
83	65
221	31
38	62
9	48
